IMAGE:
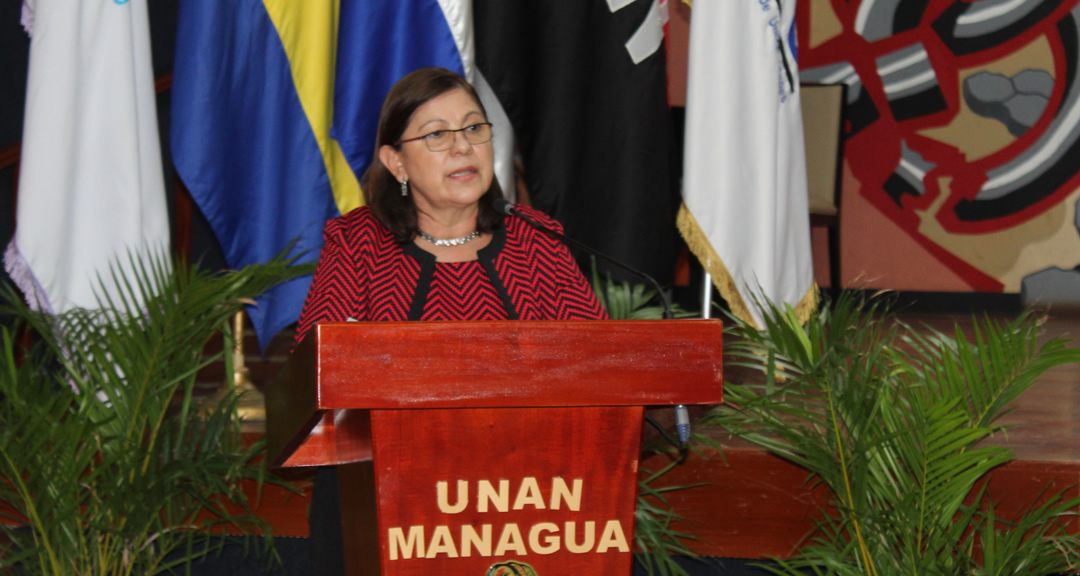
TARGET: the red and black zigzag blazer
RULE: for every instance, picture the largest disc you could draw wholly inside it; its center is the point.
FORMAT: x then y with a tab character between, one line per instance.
365	275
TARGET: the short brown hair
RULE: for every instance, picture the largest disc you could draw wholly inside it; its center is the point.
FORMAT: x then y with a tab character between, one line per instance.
382	192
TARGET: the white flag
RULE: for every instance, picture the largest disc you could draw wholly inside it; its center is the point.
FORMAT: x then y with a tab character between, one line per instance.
744	211
91	188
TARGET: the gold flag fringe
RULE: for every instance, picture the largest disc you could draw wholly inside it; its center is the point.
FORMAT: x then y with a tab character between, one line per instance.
712	263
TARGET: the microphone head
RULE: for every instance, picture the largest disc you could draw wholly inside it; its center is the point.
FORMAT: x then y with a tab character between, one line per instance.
503	206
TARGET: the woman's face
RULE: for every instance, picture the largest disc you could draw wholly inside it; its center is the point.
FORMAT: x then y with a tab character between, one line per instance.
452	178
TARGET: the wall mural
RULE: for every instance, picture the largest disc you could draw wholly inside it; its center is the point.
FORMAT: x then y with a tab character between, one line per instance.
963	127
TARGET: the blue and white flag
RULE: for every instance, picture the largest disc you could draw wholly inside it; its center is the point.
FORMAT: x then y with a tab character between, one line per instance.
744	212
91	189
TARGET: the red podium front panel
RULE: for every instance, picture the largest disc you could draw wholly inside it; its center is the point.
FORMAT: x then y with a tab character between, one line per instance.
460	491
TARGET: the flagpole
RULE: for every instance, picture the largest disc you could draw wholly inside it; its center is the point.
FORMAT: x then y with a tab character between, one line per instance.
251	403
682	416
251	406
706	295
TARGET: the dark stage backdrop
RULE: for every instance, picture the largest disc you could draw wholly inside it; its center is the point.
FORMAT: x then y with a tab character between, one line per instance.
14	57
593	128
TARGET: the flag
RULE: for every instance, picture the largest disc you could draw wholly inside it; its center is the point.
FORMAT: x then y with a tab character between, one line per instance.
91	189
251	110
584	84
411	34
274	110
744	212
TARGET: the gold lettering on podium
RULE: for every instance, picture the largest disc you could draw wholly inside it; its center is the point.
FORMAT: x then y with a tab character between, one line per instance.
442	543
551	545
575	536
406	546
510	540
486	493
612	537
470	539
571	537
529	493
441	488
544	538
561	493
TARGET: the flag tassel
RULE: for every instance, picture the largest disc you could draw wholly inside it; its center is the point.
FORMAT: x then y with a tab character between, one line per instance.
701	248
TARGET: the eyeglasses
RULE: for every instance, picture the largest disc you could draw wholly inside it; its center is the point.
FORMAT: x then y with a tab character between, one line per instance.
440	140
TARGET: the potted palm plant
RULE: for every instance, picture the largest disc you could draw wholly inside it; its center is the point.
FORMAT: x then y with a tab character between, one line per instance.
106	466
900	425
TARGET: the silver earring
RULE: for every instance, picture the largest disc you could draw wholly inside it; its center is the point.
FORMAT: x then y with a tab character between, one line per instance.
404	187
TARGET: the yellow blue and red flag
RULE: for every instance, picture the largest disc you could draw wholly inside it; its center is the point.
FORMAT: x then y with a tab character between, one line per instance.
274	109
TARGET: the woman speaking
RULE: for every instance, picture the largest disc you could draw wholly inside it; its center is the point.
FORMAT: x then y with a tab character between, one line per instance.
430	245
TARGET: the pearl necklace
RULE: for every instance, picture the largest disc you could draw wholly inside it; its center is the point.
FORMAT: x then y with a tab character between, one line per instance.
450	241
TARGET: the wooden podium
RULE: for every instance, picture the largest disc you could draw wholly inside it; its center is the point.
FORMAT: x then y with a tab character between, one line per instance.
486	447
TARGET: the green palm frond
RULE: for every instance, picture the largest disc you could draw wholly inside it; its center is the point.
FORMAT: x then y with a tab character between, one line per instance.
103	456
626	301
895	422
1036	544
656	540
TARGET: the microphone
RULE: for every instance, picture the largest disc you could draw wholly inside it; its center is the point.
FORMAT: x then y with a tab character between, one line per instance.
504	206
682	417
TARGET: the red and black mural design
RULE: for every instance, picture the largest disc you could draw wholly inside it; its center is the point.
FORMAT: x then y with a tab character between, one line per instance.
962	125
